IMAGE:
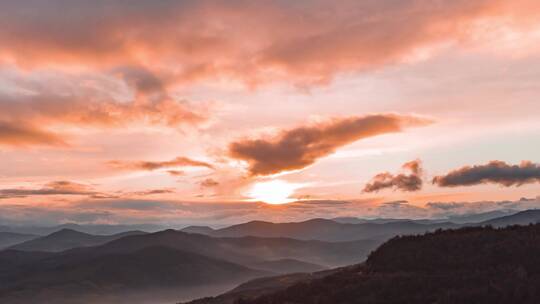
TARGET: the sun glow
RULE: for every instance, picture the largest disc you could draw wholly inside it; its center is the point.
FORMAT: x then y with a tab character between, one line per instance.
274	192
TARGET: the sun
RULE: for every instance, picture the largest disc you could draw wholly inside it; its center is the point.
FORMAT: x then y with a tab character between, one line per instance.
275	192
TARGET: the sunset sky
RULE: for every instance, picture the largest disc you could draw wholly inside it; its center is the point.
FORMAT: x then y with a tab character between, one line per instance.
219	112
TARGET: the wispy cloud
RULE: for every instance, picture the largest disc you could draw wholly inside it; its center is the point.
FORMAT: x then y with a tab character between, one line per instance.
52	188
19	134
156	165
206	39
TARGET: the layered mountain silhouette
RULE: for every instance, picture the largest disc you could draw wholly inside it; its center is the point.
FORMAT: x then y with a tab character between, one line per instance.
67	239
324	230
248	250
170	260
469	265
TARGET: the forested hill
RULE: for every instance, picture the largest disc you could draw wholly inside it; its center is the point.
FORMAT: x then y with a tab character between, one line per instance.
469	265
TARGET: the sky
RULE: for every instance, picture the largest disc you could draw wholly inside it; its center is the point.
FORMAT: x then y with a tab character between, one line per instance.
219	112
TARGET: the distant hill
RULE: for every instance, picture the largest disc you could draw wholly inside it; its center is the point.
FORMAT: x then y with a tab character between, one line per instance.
199	229
355	220
8	239
326	230
90	229
456	219
469	265
521	218
67	239
479	217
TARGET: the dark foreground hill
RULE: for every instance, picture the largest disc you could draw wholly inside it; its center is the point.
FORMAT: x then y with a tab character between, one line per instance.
469	265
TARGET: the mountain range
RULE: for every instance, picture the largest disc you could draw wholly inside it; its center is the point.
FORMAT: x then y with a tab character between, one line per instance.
266	259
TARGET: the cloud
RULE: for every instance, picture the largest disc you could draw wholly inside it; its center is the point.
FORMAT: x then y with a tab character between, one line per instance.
445	205
208	183
39	108
494	172
155	165
400	209
150	192
302	146
51	188
404	182
13	134
302	41
176	172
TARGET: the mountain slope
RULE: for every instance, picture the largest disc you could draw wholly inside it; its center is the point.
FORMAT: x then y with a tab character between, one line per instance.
469	265
284	266
8	239
262	286
521	218
67	239
148	269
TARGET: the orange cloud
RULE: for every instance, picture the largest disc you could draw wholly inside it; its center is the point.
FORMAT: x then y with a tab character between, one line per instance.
52	188
255	42
155	165
404	182
208	183
13	134
85	106
176	172
495	172
300	147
